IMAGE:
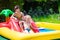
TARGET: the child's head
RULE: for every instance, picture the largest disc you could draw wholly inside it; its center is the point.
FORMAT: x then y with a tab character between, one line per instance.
16	8
17	12
27	18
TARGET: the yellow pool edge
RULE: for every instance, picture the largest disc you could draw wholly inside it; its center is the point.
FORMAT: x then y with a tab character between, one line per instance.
13	35
53	26
32	36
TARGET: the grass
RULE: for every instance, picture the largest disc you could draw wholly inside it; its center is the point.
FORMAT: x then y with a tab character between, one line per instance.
52	18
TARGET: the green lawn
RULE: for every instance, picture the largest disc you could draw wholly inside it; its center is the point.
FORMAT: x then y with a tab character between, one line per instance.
52	18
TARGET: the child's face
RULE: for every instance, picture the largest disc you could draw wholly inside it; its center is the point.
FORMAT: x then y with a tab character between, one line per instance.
17	13
27	19
17	10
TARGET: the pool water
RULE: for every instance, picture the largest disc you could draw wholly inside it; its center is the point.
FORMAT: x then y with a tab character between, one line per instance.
45	30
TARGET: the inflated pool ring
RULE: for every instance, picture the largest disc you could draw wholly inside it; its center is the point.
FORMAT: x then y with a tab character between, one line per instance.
13	35
4	24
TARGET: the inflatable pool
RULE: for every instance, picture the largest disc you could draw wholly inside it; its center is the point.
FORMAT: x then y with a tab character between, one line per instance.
48	32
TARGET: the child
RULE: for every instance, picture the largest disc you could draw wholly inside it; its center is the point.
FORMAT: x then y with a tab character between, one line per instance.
25	24
15	18
29	24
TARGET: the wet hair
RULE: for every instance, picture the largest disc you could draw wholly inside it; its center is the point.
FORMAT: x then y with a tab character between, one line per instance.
16	7
25	13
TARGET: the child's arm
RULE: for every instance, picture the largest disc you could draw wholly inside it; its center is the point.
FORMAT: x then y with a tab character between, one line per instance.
21	24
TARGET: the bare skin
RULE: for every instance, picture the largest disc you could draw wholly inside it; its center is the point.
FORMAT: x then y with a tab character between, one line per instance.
17	14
